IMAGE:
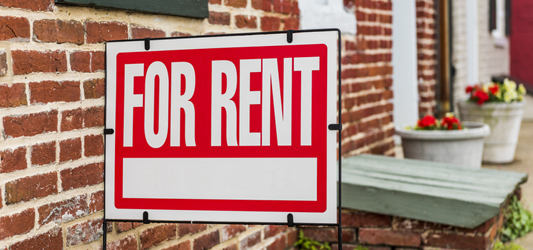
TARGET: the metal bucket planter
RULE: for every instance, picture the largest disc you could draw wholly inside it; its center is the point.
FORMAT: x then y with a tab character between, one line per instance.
504	120
459	147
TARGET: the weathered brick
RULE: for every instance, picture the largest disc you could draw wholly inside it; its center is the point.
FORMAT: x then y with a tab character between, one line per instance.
335	246
220	18
265	5
377	236
250	241
23	189
457	241
207	241
328	234
270	23
52	91
71	119
14	29
13	160
58	31
179	34
274	230
85	232
184	229
13	96
98	32
44	153
36	5
231	247
51	240
127	243
279	243
94	145
94	88
16	224
235	3
83	176
291	23
157	235
186	245
69	149
246	21
219	2
25	62
139	32
87	61
30	125
3	72
126	226
292	237
63	211
93	117
364	219
230	231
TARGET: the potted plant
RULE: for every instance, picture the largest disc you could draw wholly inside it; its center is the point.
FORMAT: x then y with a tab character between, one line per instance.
499	105
447	140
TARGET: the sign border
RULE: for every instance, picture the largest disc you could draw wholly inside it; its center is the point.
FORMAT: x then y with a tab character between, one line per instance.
142	215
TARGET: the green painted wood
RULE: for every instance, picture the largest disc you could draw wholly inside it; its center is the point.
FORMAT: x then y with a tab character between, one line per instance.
423	190
188	8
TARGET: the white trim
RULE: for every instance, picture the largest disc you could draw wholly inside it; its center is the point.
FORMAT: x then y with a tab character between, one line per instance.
472	42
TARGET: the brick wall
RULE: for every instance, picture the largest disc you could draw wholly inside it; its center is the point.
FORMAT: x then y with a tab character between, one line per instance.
384	232
367	80
426	35
51	123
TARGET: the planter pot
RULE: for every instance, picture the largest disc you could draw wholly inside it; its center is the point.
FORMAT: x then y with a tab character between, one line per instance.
459	147
504	120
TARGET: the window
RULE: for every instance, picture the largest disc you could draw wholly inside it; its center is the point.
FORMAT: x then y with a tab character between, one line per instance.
188	8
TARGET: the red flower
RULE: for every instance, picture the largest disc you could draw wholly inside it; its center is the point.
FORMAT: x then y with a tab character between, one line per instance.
468	89
493	89
481	97
427	121
450	123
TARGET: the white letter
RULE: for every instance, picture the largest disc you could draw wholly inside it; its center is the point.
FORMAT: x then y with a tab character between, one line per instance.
153	139
247	98
282	116
306	65
179	102
131	100
221	100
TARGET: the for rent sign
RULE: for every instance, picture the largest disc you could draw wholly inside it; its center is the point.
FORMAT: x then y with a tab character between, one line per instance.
222	129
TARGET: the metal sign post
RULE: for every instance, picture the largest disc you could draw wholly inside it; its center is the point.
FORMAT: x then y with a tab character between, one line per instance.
236	128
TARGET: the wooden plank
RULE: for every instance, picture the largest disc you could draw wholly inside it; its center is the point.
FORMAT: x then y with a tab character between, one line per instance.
429	191
188	8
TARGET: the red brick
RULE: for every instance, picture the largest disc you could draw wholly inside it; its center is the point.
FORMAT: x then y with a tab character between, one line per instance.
14	29
71	119
457	241
30	125
139	32
295	8
286	8
157	235
377	236
13	160
277	6
335	246
231	247
1	199
44	153
94	145
70	149
98	32
85	232
274	230
270	23
94	88
13	96
87	61
230	231
179	34
58	31
245	21
184	229
51	240
292	237
3	72
250	241
16	224
36	5
96	203
52	91
207	241
219	2
235	3
23	189
265	5
279	243
25	62
221	18
63	211
93	117
127	243
186	245
291	23
83	176
124	226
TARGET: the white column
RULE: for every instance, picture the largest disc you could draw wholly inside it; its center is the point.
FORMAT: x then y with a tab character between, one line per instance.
472	42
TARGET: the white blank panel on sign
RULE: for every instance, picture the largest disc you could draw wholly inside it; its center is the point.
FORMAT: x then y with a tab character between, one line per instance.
221	178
